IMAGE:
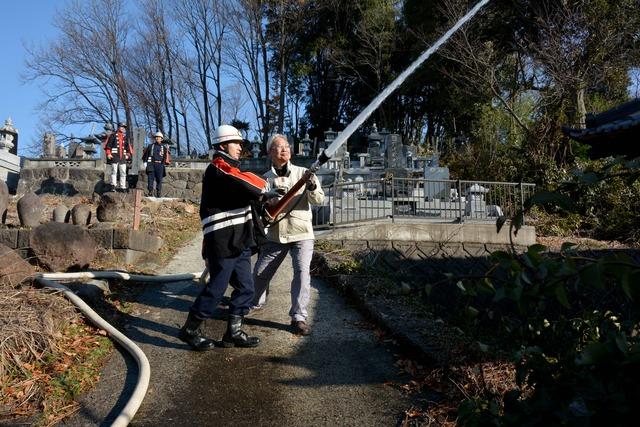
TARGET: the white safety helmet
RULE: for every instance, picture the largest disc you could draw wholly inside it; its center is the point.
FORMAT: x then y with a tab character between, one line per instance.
158	134
226	133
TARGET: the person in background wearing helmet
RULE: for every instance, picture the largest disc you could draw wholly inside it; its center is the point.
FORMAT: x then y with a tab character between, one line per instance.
292	233
157	156
228	231
118	152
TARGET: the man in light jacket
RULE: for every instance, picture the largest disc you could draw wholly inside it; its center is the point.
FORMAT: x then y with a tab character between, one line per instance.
291	233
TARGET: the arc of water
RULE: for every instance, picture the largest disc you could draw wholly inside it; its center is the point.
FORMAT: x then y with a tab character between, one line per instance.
355	123
273	211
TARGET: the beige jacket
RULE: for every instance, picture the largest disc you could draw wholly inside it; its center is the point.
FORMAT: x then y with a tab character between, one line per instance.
297	224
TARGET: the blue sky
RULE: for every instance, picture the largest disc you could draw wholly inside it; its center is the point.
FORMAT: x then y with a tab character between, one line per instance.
23	22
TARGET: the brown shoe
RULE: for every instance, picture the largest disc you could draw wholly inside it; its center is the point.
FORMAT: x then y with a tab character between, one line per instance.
300	327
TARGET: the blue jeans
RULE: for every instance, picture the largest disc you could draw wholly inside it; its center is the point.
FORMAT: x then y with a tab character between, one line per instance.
234	271
271	256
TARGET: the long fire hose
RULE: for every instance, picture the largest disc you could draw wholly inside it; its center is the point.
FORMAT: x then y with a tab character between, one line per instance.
47	280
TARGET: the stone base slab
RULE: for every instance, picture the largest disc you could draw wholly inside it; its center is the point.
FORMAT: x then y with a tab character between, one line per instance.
129	256
137	240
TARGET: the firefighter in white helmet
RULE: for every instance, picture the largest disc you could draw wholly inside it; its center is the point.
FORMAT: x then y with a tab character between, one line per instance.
228	228
157	157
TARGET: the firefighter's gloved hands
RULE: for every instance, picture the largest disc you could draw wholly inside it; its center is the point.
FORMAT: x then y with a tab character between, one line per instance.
272	194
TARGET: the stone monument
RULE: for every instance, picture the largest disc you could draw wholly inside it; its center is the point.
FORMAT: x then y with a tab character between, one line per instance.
138	139
9	162
49	145
306	145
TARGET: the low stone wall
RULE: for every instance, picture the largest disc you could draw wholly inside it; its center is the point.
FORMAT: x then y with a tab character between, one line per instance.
87	176
426	250
61	180
129	245
180	183
410	230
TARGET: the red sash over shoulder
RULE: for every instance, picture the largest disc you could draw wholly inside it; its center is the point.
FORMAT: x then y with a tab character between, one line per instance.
247	177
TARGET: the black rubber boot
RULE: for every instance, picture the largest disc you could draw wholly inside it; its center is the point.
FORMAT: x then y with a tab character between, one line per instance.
191	334
158	193
235	336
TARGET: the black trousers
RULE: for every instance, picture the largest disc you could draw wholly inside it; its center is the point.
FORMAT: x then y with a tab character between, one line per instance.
234	271
156	174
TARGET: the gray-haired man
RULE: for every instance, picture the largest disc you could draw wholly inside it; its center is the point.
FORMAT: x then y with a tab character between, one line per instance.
292	233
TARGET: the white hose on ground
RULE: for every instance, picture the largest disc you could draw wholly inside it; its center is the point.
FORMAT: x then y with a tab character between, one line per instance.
144	371
87	275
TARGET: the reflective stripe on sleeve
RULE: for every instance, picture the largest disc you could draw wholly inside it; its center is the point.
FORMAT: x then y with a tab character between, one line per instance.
226	219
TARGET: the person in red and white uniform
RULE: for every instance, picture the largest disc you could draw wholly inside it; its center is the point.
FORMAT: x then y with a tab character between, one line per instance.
119	152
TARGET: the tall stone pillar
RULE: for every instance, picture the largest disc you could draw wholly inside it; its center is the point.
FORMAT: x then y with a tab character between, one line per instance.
49	145
138	141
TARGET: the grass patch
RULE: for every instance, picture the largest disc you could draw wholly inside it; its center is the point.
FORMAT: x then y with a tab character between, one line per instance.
49	356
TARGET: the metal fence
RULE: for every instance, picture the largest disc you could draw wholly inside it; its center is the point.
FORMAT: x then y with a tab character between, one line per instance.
432	200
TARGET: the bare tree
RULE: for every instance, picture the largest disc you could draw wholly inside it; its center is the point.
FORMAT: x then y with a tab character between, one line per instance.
153	70
286	20
248	58
234	102
86	65
205	27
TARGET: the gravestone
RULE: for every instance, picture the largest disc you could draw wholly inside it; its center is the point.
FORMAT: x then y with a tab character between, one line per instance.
395	155
111	205
49	145
61	214
81	214
30	209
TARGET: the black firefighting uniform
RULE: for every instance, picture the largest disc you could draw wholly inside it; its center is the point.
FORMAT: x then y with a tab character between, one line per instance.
157	156
228	228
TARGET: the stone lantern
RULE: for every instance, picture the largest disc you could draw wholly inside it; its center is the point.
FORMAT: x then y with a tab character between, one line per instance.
9	162
7	135
255	147
375	150
89	151
329	136
475	205
306	145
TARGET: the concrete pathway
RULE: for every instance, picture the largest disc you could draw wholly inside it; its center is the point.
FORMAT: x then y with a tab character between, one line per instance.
336	376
